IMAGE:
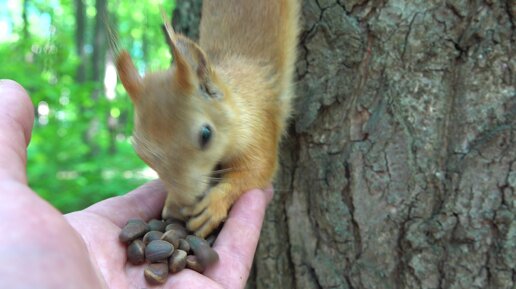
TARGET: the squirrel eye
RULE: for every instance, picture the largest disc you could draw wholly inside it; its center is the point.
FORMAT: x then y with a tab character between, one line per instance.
205	136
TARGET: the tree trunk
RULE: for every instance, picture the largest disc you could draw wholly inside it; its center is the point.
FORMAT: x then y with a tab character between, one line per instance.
97	71
25	18
99	43
399	170
186	17
80	39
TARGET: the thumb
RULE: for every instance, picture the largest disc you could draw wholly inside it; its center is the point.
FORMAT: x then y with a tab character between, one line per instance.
16	119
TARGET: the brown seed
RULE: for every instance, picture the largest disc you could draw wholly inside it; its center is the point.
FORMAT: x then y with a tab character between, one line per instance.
151	236
176	227
136	252
202	250
184	245
172	221
193	263
157	225
158	250
173	237
156	273
133	230
177	261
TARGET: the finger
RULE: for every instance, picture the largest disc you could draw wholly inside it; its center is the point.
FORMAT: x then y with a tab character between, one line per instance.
190	279
16	119
236	243
145	202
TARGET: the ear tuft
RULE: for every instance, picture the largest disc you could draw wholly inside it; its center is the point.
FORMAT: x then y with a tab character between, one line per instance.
190	60
129	76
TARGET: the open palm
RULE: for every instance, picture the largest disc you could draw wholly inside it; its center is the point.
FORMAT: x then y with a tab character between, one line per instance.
41	248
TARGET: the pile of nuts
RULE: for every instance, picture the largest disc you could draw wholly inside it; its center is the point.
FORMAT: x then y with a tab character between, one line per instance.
168	248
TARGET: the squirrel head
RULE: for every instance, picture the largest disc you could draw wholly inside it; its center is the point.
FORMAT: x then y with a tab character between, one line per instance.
182	119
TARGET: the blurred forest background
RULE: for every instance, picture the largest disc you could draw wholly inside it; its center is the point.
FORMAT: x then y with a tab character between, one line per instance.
58	50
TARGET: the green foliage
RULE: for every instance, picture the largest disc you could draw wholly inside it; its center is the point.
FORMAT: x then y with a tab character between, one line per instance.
80	150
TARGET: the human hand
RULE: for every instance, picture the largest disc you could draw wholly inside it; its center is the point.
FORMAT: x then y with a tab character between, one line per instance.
41	248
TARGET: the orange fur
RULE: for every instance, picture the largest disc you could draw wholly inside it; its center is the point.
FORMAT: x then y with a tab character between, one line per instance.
238	80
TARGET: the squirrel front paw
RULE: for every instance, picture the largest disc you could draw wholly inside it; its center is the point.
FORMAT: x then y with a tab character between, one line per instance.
207	215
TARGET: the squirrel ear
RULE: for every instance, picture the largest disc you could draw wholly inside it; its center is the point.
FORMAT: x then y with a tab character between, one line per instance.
190	60
183	75
129	76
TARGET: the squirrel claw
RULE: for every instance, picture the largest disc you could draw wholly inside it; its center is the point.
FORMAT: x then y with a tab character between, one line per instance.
192	210
207	215
204	224
197	223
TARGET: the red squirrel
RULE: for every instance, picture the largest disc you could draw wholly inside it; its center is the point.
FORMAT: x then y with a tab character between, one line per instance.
220	109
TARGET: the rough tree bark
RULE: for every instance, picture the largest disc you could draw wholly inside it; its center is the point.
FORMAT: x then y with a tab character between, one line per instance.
400	166
186	17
